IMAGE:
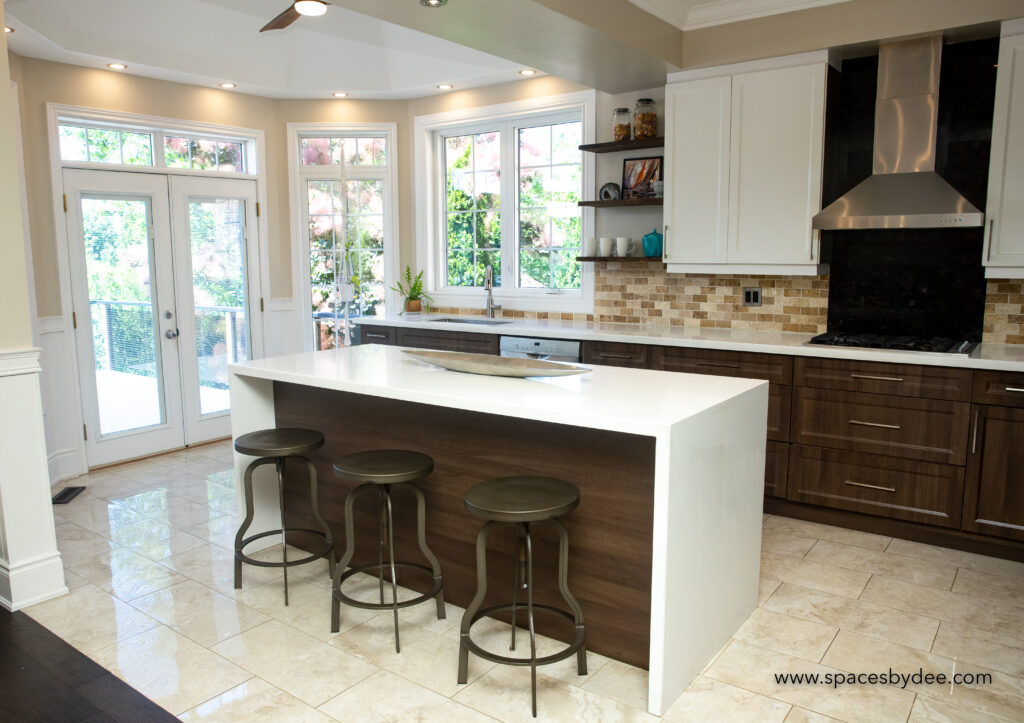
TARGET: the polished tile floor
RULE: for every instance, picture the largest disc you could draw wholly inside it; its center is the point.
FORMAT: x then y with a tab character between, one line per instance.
147	551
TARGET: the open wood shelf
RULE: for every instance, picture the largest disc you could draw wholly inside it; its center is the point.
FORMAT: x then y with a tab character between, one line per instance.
625	203
613	146
619	258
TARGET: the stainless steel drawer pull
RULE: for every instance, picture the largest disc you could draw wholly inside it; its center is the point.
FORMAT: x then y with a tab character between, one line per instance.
371	335
876	379
723	365
867	486
874	424
1015	389
611	355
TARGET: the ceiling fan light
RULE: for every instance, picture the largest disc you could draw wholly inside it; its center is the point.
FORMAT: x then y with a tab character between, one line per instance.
310	7
433	3
8	29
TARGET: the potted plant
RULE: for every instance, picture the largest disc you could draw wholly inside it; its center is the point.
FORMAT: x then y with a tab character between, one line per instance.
412	291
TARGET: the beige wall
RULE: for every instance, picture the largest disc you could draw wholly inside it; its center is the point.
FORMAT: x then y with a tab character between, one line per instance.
830	26
15	323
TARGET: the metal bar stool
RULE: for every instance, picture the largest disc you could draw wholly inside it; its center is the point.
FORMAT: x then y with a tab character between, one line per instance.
380	471
522	501
275	446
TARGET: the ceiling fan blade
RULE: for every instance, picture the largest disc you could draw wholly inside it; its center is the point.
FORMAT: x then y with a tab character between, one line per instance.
283	20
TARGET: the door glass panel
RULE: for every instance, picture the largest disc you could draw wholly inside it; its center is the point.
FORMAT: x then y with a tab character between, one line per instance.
217	236
118	259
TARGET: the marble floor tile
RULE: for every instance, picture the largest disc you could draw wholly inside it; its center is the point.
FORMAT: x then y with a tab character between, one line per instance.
168	508
877	621
428	659
220	531
933	710
225	477
254	701
851	557
74	581
709	700
620	682
993	587
90	619
982	563
397	700
990	650
169	669
205	492
154	539
994	616
786	634
782	543
214	567
504	693
308	608
200	465
801	528
124	573
199	613
766	587
298	664
152	471
815	575
753	668
76	542
799	715
1004	697
98	515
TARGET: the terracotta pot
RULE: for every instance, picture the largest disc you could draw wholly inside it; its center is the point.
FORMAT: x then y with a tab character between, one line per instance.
413	305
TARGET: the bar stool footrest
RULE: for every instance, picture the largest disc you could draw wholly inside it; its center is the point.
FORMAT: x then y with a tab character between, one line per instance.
239	555
339	595
570	650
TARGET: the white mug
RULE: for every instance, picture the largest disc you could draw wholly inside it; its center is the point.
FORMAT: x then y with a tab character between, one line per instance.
589	247
605	248
623	246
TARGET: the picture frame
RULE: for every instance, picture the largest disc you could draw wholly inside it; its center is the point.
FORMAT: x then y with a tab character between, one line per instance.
639	175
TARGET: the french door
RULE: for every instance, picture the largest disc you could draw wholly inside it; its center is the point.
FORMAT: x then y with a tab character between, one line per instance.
162	271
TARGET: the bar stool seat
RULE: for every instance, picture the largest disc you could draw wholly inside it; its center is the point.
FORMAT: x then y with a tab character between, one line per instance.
383	470
275	446
522	501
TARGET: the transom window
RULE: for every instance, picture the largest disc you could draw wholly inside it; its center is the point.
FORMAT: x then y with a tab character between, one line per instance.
343	151
88	143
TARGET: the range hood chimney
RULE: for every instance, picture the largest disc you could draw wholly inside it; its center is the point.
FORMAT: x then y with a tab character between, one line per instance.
904	190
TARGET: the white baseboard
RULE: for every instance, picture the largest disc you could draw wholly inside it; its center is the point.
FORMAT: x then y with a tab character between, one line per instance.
31	582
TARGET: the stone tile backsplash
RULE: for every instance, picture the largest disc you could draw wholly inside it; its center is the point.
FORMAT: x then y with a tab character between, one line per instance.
641	292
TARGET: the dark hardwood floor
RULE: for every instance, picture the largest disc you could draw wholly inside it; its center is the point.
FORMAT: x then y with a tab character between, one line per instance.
42	678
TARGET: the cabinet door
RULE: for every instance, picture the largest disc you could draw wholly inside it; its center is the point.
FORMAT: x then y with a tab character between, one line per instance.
1005	213
697	170
778	127
448	340
613	354
994	491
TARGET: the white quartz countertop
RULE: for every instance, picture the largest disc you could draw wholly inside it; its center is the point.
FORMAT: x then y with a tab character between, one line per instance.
635	401
1006	357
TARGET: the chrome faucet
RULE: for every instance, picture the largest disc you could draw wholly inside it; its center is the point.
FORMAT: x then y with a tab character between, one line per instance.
489	288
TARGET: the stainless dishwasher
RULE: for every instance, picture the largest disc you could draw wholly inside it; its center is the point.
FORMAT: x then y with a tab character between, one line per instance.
558	350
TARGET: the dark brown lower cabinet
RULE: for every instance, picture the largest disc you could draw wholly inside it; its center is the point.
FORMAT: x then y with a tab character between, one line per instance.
994	492
614	354
377	334
776	468
449	340
899	488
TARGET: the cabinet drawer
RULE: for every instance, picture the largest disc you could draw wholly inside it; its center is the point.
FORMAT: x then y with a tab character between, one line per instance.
773	367
613	354
1004	389
899	488
928	429
902	380
448	340
776	469
377	334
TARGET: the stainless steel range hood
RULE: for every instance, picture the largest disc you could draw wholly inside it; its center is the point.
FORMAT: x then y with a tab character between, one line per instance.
904	190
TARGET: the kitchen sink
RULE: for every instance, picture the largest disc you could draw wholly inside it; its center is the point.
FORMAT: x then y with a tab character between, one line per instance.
483	322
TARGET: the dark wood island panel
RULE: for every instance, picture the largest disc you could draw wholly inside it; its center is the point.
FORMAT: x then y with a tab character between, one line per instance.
610	532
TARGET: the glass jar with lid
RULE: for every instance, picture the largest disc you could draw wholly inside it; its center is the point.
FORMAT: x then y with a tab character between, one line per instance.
645	119
621	125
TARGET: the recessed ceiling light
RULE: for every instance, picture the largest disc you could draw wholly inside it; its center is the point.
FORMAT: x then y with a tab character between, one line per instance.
433	3
445	86
227	86
310	7
8	29
527	71
117	66
340	95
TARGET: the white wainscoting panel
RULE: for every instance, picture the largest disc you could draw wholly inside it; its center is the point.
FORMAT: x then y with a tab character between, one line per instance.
61	408
282	328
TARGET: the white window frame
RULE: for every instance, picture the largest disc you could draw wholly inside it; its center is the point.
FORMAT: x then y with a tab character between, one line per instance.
297	176
429	174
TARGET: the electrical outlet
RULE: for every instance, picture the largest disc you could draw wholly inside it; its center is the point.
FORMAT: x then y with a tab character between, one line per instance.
751	296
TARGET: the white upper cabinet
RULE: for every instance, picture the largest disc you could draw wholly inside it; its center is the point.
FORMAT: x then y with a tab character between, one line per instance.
1004	228
743	170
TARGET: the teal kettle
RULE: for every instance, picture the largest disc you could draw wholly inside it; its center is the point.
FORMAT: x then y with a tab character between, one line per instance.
652	243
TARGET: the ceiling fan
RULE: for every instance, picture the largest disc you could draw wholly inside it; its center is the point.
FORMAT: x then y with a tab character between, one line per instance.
294	12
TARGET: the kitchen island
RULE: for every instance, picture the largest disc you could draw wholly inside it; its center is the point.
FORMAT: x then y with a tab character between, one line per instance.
664	547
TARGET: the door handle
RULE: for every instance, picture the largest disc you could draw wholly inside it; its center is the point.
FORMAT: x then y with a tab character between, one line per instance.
171	334
874	378
874	424
867	486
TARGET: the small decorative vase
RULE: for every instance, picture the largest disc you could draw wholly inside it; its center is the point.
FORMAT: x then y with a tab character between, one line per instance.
413	306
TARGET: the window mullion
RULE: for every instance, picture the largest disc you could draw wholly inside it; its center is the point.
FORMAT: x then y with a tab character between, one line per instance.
509	207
